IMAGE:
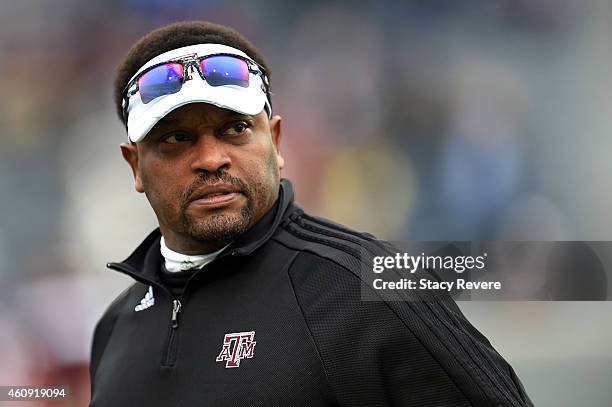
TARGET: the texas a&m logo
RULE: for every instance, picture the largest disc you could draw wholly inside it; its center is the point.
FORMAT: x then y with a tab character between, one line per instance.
237	346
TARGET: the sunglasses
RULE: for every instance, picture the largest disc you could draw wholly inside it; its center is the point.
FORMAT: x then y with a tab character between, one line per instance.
168	77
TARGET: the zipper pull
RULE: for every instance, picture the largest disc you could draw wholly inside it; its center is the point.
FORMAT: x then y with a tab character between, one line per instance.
176	308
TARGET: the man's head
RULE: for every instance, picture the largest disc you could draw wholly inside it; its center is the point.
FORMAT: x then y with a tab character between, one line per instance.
209	172
175	36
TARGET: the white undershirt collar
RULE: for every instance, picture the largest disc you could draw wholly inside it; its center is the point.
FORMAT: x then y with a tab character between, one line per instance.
175	261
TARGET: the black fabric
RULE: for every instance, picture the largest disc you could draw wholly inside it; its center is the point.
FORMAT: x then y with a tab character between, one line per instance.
384	358
294	280
175	281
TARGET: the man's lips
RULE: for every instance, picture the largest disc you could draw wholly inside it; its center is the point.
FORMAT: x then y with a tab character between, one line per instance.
215	195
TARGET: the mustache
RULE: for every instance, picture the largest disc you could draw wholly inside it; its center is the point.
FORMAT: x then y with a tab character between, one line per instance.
211	178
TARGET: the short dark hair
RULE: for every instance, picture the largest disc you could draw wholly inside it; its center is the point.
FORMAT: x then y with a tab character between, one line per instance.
174	36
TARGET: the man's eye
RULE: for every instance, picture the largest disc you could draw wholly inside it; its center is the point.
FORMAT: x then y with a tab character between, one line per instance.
175	138
236	129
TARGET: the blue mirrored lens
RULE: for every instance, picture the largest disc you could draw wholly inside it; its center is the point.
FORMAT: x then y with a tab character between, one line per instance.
225	70
162	80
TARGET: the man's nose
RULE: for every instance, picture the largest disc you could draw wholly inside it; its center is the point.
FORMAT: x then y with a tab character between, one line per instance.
210	154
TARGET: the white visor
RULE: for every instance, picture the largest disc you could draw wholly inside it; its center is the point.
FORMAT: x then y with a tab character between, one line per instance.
142	117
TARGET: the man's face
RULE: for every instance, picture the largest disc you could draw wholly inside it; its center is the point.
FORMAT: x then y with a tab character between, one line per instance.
209	174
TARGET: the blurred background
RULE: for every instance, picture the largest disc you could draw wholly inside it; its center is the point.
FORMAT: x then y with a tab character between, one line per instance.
426	120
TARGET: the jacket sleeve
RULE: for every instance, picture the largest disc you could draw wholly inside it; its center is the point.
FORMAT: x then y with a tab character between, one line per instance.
103	331
397	353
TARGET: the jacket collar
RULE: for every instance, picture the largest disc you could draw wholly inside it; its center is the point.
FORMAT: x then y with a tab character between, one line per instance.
145	260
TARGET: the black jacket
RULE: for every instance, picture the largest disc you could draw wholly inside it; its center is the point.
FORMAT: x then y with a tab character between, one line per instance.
290	288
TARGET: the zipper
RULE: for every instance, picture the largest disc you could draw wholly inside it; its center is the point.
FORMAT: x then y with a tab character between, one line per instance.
172	349
176	308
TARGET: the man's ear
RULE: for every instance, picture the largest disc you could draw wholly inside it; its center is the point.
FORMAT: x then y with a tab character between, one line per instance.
130	155
276	132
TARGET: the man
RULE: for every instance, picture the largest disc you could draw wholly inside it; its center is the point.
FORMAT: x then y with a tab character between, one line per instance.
241	298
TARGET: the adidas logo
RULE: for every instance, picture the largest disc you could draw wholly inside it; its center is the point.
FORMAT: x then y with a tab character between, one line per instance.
147	301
